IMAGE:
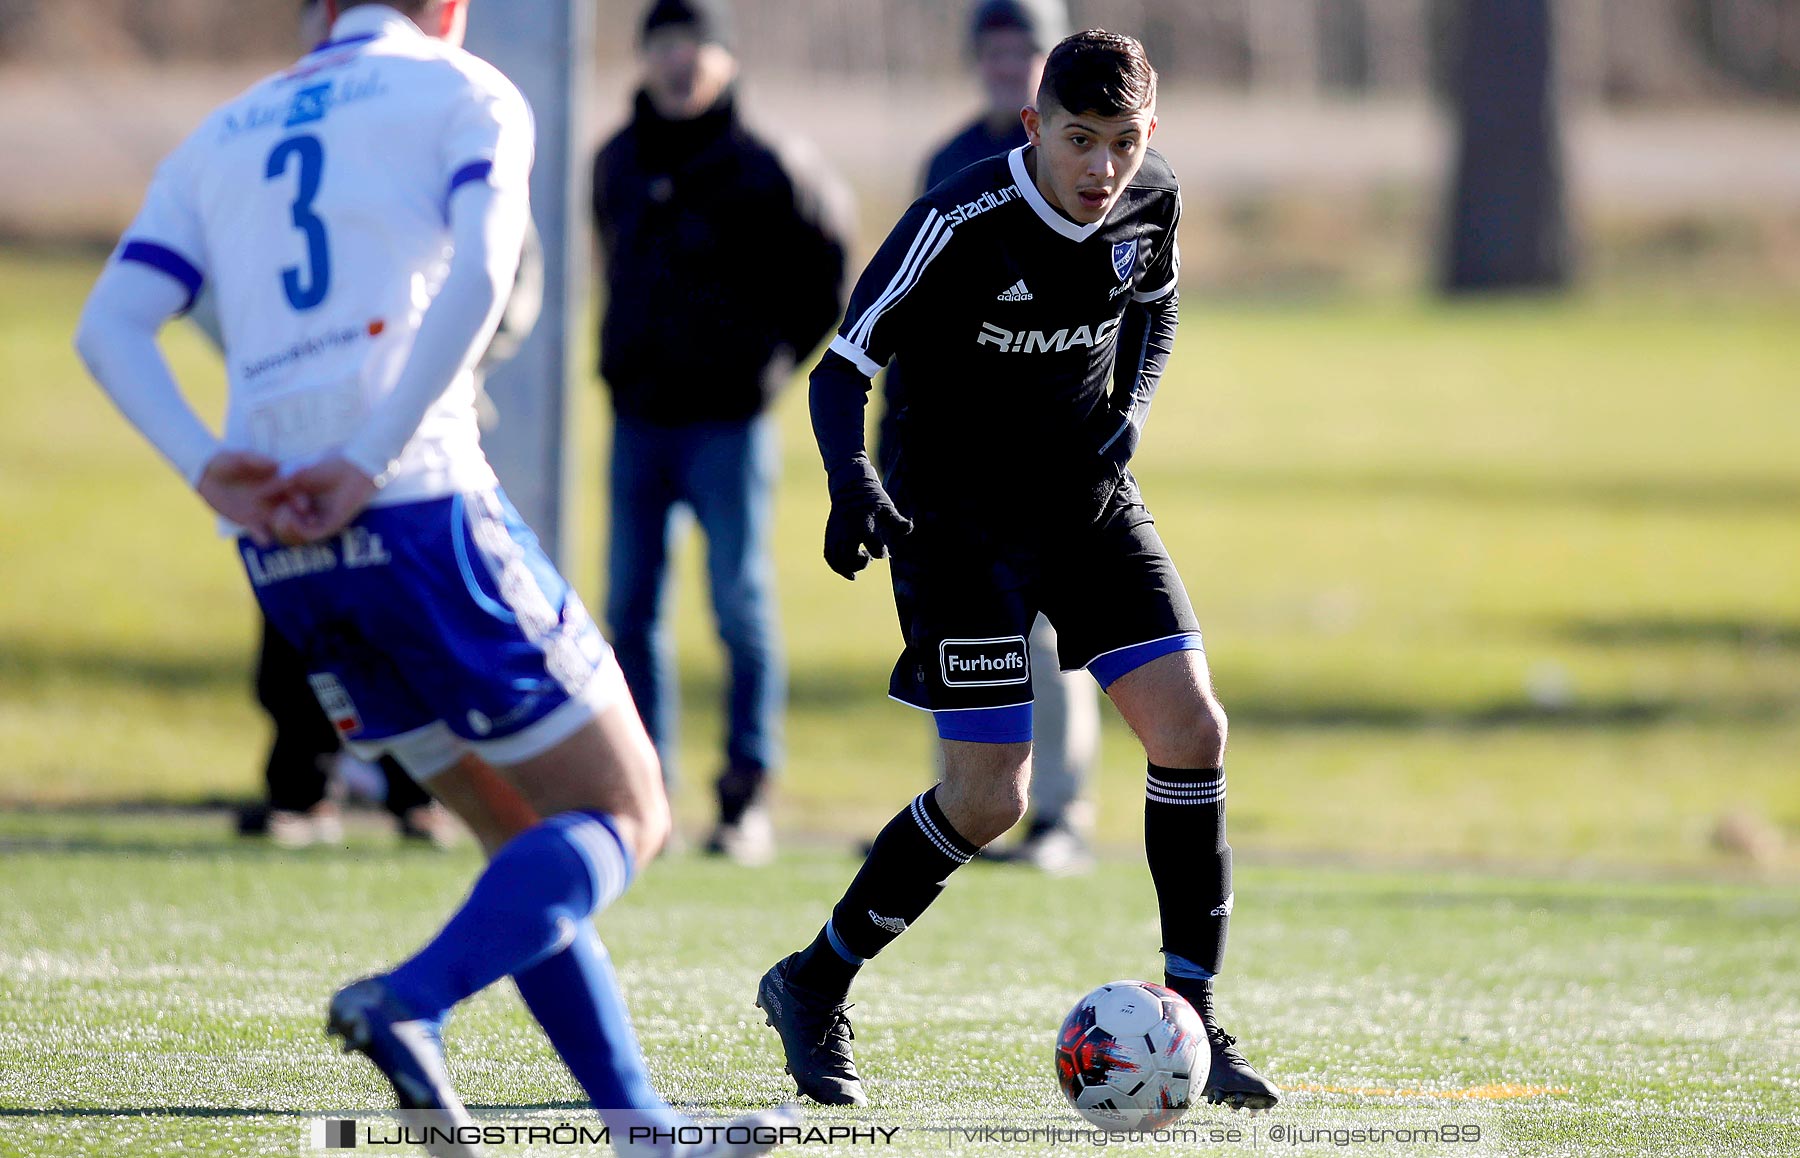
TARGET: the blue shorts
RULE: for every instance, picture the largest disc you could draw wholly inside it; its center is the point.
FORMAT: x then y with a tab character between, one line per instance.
438	627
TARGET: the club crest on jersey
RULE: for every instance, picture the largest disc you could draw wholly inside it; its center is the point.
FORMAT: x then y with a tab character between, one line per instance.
1124	259
310	104
984	663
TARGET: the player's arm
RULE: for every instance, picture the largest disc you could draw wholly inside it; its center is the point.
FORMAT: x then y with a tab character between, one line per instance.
864	522
116	338
156	275
487	229
486	154
1146	339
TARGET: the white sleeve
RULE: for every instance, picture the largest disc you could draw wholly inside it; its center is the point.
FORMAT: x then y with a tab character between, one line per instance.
487	228
490	137
117	340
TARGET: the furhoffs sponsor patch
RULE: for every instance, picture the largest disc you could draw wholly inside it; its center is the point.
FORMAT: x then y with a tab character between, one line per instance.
980	663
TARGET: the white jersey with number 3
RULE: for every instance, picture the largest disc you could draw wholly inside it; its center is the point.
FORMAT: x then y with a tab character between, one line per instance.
314	211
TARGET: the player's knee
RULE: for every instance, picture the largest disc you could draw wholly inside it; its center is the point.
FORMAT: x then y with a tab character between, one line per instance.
1193	738
647	822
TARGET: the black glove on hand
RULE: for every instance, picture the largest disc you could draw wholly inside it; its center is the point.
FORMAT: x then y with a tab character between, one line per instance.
863	523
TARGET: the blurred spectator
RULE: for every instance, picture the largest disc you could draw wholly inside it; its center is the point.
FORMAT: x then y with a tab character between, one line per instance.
1008	40
724	262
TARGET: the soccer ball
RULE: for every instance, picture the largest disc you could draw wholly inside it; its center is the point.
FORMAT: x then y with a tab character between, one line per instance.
1130	1054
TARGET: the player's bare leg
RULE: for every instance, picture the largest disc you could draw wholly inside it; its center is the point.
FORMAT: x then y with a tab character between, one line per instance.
986	788
1169	704
603	814
484	800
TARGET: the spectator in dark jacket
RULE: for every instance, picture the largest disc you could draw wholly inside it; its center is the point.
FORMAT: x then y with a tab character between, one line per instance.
724	263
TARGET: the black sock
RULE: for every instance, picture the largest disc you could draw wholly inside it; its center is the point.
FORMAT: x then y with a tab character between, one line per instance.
907	868
738	789
1184	839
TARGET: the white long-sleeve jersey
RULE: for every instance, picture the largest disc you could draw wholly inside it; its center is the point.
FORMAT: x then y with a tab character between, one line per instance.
322	210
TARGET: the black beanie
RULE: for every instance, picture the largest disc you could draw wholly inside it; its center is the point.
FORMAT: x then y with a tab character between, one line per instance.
710	20
1046	20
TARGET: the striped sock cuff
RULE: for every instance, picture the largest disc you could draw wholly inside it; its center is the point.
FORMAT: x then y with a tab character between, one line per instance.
937	829
595	836
1185	785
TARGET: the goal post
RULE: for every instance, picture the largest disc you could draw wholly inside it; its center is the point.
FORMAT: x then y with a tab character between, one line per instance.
546	48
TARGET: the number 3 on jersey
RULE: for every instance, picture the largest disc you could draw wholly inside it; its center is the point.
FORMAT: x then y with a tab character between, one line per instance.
311	155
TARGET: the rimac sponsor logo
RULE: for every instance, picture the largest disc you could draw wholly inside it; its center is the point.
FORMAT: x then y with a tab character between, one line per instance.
969	210
984	663
1038	342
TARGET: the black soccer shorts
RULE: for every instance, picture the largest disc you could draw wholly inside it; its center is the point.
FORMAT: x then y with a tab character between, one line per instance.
967	597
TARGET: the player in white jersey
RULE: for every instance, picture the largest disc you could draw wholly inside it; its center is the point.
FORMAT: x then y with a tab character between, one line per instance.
359	218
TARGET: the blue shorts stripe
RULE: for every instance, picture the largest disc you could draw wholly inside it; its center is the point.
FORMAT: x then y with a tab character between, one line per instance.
495	608
161	257
1008	725
1109	667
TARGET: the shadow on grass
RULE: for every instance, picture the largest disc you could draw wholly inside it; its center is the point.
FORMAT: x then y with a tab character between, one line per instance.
29	663
1691	494
1750	634
1596	715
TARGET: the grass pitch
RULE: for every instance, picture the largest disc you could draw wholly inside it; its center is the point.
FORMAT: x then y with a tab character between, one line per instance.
164	990
1508	585
1513	582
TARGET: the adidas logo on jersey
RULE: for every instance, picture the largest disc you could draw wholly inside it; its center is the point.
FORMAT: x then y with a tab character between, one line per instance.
1016	292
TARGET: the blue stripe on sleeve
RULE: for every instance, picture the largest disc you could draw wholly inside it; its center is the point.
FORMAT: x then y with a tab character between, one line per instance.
161	257
473	171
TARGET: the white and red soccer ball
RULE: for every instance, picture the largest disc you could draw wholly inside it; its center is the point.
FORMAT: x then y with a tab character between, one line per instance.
1130	1056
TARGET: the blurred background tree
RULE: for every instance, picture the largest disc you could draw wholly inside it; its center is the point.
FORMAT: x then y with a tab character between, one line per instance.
1508	226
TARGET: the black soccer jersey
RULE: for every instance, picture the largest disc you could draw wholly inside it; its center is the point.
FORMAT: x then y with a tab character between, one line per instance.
1006	318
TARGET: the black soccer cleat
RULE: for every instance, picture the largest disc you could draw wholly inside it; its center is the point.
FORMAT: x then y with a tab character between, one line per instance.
1231	1081
815	1035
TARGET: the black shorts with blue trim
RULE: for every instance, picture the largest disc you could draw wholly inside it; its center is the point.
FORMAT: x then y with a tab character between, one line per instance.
967	597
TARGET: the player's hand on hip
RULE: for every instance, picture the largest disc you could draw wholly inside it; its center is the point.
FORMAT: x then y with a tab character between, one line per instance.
245	488
864	524
320	501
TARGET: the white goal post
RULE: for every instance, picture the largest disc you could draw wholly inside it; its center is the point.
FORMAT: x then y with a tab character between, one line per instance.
546	48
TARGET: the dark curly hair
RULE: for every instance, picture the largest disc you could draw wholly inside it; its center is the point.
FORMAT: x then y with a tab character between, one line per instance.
1099	72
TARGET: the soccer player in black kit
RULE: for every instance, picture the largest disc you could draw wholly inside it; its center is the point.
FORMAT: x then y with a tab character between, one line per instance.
1030	301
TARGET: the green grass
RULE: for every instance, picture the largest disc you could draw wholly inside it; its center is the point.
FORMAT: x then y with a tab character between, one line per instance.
1516	582
164	988
1504	602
